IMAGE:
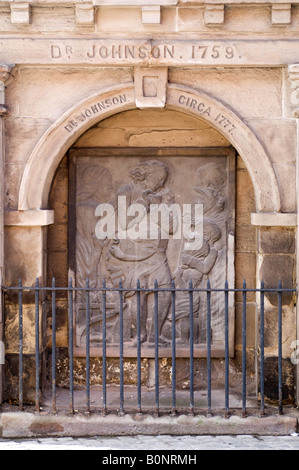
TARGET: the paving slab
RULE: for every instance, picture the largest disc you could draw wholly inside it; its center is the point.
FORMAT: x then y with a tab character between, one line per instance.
136	444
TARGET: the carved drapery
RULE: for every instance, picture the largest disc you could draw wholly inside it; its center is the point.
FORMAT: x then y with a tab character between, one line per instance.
153	248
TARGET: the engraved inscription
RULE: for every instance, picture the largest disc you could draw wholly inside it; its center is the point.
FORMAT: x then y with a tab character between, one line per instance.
207	111
142	51
106	51
225	123
213	52
95	109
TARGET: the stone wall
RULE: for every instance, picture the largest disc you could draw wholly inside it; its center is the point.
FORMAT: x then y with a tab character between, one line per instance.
237	55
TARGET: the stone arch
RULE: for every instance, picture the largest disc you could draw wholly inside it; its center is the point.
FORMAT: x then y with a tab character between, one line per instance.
53	145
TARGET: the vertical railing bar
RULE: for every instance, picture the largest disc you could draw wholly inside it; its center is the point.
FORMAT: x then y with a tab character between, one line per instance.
191	347
262	346
54	410
138	348
71	345
226	330
280	407
209	362
121	349
21	391
87	347
173	336
156	346
37	348
104	379
244	294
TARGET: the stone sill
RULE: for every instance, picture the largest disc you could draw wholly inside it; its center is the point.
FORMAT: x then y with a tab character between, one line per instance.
30	218
267	219
22	425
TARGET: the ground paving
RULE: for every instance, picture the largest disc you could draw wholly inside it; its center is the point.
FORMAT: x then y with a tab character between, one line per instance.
117	445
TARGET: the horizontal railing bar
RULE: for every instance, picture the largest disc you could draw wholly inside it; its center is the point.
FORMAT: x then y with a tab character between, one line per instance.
132	289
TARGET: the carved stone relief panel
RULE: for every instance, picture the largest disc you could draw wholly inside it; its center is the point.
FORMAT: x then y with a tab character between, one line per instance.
146	215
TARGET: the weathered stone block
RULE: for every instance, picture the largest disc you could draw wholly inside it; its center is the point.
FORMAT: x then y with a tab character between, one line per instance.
150	87
53	81
277	240
11	382
271	380
26	244
281	14
176	137
151	14
277	135
286	176
85	14
96	371
246	238
12	326
20	13
263	89
214	15
102	138
288	330
277	268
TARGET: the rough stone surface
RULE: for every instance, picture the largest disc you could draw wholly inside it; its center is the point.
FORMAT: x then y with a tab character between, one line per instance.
27	425
271	382
276	268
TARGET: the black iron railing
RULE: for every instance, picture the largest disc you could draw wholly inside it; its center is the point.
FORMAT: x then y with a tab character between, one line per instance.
51	292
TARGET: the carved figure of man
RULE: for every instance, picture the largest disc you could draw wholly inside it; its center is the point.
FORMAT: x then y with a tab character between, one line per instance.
144	259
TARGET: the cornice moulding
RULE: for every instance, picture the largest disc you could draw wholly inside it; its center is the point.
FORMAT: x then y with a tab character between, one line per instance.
133	3
142	3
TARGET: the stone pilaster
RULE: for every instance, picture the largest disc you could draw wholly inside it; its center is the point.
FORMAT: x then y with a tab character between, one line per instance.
276	261
5	78
293	76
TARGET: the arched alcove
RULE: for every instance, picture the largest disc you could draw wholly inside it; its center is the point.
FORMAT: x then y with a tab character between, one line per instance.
146	130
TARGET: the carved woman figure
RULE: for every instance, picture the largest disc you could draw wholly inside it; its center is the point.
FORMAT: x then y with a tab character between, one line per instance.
94	185
194	265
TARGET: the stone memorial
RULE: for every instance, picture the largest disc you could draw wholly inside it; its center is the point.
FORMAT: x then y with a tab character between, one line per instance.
148	218
144	143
